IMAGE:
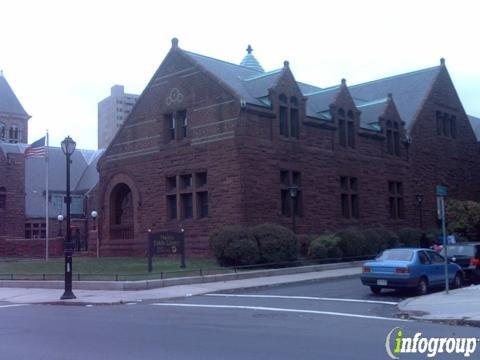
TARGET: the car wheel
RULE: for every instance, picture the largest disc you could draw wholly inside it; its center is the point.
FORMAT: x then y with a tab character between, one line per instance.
422	286
376	289
457	281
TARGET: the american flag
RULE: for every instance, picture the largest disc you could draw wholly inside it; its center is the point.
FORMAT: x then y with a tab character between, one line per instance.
36	150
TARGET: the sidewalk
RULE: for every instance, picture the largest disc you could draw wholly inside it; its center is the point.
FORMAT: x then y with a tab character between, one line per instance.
460	305
52	296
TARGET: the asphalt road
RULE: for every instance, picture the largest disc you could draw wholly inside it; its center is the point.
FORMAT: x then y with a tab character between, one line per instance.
329	320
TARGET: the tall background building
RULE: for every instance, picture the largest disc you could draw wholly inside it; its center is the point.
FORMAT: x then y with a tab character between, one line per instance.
112	112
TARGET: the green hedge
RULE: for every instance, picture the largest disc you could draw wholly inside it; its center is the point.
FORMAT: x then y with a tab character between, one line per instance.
410	237
325	246
266	243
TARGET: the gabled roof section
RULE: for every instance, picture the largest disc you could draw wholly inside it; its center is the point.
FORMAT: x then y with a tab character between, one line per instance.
475	123
318	103
250	61
9	103
371	112
409	91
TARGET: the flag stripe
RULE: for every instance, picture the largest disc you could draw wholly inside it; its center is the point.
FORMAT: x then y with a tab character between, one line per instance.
37	149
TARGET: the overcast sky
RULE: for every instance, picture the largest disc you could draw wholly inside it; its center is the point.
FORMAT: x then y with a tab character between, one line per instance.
62	57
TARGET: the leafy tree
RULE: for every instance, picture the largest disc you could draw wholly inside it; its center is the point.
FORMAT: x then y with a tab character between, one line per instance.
463	217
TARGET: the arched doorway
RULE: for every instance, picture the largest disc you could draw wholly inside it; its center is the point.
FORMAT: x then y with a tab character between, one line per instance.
121	212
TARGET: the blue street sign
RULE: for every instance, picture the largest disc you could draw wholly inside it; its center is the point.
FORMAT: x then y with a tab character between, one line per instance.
441	190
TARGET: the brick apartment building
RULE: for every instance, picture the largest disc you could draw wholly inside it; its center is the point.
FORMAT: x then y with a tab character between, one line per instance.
212	143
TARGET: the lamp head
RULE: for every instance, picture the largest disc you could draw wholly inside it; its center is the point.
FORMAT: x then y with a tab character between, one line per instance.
68	145
94	214
60	217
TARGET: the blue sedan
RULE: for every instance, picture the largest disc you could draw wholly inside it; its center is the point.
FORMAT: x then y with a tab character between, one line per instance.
407	268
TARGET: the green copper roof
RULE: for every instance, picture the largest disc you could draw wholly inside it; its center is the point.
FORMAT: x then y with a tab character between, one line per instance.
250	61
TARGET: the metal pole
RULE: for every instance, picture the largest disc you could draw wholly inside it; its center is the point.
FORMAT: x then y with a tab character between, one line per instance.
442	204
293	215
421	217
68	294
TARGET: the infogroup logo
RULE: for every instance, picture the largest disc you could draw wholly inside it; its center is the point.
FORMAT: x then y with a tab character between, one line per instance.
397	343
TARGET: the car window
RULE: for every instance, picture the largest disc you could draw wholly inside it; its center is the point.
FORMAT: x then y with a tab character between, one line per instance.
435	258
396	254
423	258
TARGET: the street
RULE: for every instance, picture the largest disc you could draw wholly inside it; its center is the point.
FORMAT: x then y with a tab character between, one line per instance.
323	320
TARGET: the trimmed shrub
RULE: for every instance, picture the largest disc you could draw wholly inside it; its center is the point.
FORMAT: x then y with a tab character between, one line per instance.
233	245
388	239
276	243
410	237
325	246
351	242
304	242
373	242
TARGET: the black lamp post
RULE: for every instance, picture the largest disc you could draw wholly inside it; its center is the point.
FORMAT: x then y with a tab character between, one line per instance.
60	222
293	191
419	198
68	147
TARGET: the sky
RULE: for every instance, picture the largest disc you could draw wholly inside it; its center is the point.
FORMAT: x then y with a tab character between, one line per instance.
62	57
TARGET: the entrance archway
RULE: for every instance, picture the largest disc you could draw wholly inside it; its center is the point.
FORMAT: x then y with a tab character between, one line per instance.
121	212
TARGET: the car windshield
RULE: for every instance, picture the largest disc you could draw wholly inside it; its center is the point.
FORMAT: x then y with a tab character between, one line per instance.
467	250
396	254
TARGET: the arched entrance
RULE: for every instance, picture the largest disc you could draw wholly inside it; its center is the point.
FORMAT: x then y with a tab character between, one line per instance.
121	212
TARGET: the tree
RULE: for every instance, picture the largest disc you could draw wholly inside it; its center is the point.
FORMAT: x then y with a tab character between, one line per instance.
463	217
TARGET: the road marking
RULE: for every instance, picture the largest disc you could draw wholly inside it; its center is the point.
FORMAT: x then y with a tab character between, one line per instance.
305	298
261	308
13	305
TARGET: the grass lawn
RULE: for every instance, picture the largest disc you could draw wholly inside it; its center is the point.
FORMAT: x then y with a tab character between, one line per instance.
113	268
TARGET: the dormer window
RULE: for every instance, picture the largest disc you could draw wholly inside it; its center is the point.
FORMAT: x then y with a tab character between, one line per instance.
393	137
13	134
288	115
3	132
346	128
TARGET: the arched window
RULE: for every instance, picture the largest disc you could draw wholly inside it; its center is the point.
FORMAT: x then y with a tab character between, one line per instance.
3	198
393	138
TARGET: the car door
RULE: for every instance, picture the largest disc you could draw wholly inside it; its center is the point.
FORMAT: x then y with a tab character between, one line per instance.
425	265
437	268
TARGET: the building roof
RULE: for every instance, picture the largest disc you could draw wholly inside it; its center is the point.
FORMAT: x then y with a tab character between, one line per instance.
475	122
83	176
370	113
9	103
250	61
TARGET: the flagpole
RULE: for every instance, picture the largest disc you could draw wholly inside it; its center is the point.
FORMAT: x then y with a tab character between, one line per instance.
46	199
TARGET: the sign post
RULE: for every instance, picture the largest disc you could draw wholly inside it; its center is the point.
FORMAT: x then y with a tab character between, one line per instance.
441	194
166	243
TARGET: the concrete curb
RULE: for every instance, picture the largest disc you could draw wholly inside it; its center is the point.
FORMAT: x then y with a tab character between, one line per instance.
160	283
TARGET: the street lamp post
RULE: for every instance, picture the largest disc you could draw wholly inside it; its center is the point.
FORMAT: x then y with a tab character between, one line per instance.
419	198
94	215
60	222
293	191
68	147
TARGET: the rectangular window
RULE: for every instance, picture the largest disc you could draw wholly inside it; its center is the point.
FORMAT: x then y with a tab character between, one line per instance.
395	200
283	121
396	142
202	204
389	142
349	197
35	231
285	177
187	206
171	183
201	179
351	134
182	120
170	126
438	116
453	127
294	123
342	135
288	204
172	207
186	181
297	204
296	178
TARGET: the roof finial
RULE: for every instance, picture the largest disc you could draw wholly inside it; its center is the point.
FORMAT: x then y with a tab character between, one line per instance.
1	72
174	42
249	49
344	81
442	61
390	96
286	64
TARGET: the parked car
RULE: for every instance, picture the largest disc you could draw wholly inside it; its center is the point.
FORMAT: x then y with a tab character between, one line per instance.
467	255
409	268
